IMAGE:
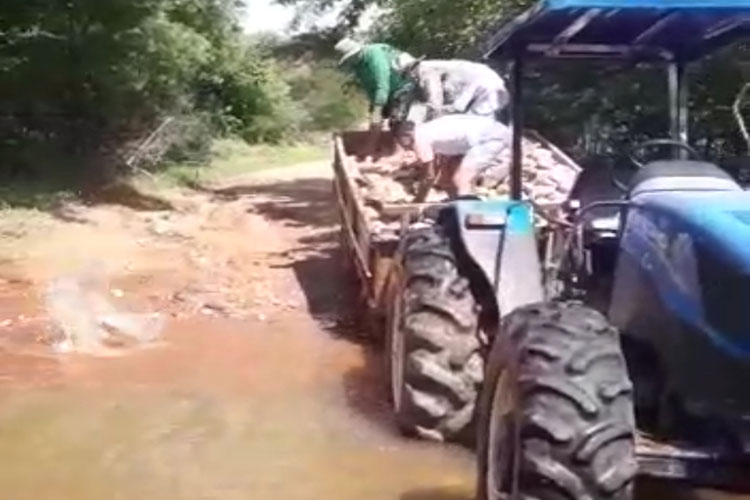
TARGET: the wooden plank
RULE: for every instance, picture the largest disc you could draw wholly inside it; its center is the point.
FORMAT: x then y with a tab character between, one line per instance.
356	225
348	226
362	227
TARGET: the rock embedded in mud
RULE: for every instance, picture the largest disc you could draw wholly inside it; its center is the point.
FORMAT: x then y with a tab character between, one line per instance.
131	328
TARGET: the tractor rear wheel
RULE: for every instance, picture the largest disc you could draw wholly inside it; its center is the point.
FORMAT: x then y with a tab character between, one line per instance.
433	349
556	412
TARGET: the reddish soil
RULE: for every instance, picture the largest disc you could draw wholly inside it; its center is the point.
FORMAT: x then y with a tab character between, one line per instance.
260	385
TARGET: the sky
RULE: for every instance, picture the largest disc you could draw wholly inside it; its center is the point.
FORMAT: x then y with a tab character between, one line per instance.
266	15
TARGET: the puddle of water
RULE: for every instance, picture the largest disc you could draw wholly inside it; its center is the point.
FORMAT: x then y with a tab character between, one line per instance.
224	411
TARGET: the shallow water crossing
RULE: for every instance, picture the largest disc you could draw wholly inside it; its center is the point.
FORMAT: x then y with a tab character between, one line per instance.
253	388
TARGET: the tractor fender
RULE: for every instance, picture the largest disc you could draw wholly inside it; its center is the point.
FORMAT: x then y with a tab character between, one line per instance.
497	239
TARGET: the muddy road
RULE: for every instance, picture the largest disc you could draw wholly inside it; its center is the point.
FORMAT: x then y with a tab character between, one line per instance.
251	381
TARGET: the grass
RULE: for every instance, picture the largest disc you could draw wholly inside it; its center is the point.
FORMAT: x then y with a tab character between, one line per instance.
35	196
230	158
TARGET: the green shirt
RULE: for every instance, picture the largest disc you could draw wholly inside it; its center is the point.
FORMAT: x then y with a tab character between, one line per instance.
374	68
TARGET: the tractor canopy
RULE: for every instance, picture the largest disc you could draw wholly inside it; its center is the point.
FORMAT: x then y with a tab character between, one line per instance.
666	30
674	32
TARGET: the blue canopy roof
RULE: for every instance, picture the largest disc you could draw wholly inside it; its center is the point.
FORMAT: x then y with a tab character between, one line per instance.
648	4
638	29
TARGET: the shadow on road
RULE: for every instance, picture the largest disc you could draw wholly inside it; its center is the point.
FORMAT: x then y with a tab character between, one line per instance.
317	261
367	391
299	203
128	196
331	295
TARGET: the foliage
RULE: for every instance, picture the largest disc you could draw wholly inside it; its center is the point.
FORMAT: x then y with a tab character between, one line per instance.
583	107
90	80
325	97
232	157
318	89
349	13
596	109
437	28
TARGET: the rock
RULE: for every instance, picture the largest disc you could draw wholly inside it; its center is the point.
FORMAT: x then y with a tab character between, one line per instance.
214	308
546	180
128	328
116	292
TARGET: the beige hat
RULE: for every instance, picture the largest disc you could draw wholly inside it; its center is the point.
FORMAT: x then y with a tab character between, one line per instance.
347	47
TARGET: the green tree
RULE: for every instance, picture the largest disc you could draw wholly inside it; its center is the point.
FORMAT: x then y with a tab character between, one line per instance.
586	108
87	78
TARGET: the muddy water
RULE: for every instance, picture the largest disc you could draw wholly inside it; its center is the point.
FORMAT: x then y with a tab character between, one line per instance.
223	410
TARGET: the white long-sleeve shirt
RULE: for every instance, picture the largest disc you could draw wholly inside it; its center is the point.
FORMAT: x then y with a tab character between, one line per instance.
458	86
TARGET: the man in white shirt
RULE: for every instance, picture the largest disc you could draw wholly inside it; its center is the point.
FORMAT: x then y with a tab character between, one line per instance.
456	86
474	142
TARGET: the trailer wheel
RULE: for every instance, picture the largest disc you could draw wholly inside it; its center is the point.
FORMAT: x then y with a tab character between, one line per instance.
556	411
433	350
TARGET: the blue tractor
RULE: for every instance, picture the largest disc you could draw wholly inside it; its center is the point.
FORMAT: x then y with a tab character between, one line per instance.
613	343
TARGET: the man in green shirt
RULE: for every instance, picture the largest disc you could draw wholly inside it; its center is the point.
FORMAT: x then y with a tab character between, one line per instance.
380	70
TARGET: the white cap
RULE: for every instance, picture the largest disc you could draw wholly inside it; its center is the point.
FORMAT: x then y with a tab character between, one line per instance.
347	47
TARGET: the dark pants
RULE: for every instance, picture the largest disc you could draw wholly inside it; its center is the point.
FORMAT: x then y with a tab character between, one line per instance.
396	111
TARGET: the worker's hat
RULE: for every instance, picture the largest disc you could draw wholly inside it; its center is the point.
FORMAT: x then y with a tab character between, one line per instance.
348	48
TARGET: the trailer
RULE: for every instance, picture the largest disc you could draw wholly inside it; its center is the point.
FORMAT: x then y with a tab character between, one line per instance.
368	251
367	254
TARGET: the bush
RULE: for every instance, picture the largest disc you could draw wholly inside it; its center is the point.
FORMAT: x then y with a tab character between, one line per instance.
88	80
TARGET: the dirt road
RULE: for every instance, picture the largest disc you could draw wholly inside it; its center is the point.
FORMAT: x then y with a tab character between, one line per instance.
257	386
251	382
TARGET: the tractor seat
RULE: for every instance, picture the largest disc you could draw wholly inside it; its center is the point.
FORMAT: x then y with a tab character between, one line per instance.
681	175
595	184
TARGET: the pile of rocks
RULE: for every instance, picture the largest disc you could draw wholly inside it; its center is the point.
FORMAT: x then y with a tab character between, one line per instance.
394	180
546	180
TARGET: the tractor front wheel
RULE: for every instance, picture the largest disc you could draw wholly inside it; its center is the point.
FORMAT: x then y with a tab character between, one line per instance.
556	412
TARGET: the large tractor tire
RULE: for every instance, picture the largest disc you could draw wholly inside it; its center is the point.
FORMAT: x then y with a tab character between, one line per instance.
433	349
556	412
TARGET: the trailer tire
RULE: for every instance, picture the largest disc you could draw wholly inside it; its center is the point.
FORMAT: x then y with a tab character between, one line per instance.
556	411
433	351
